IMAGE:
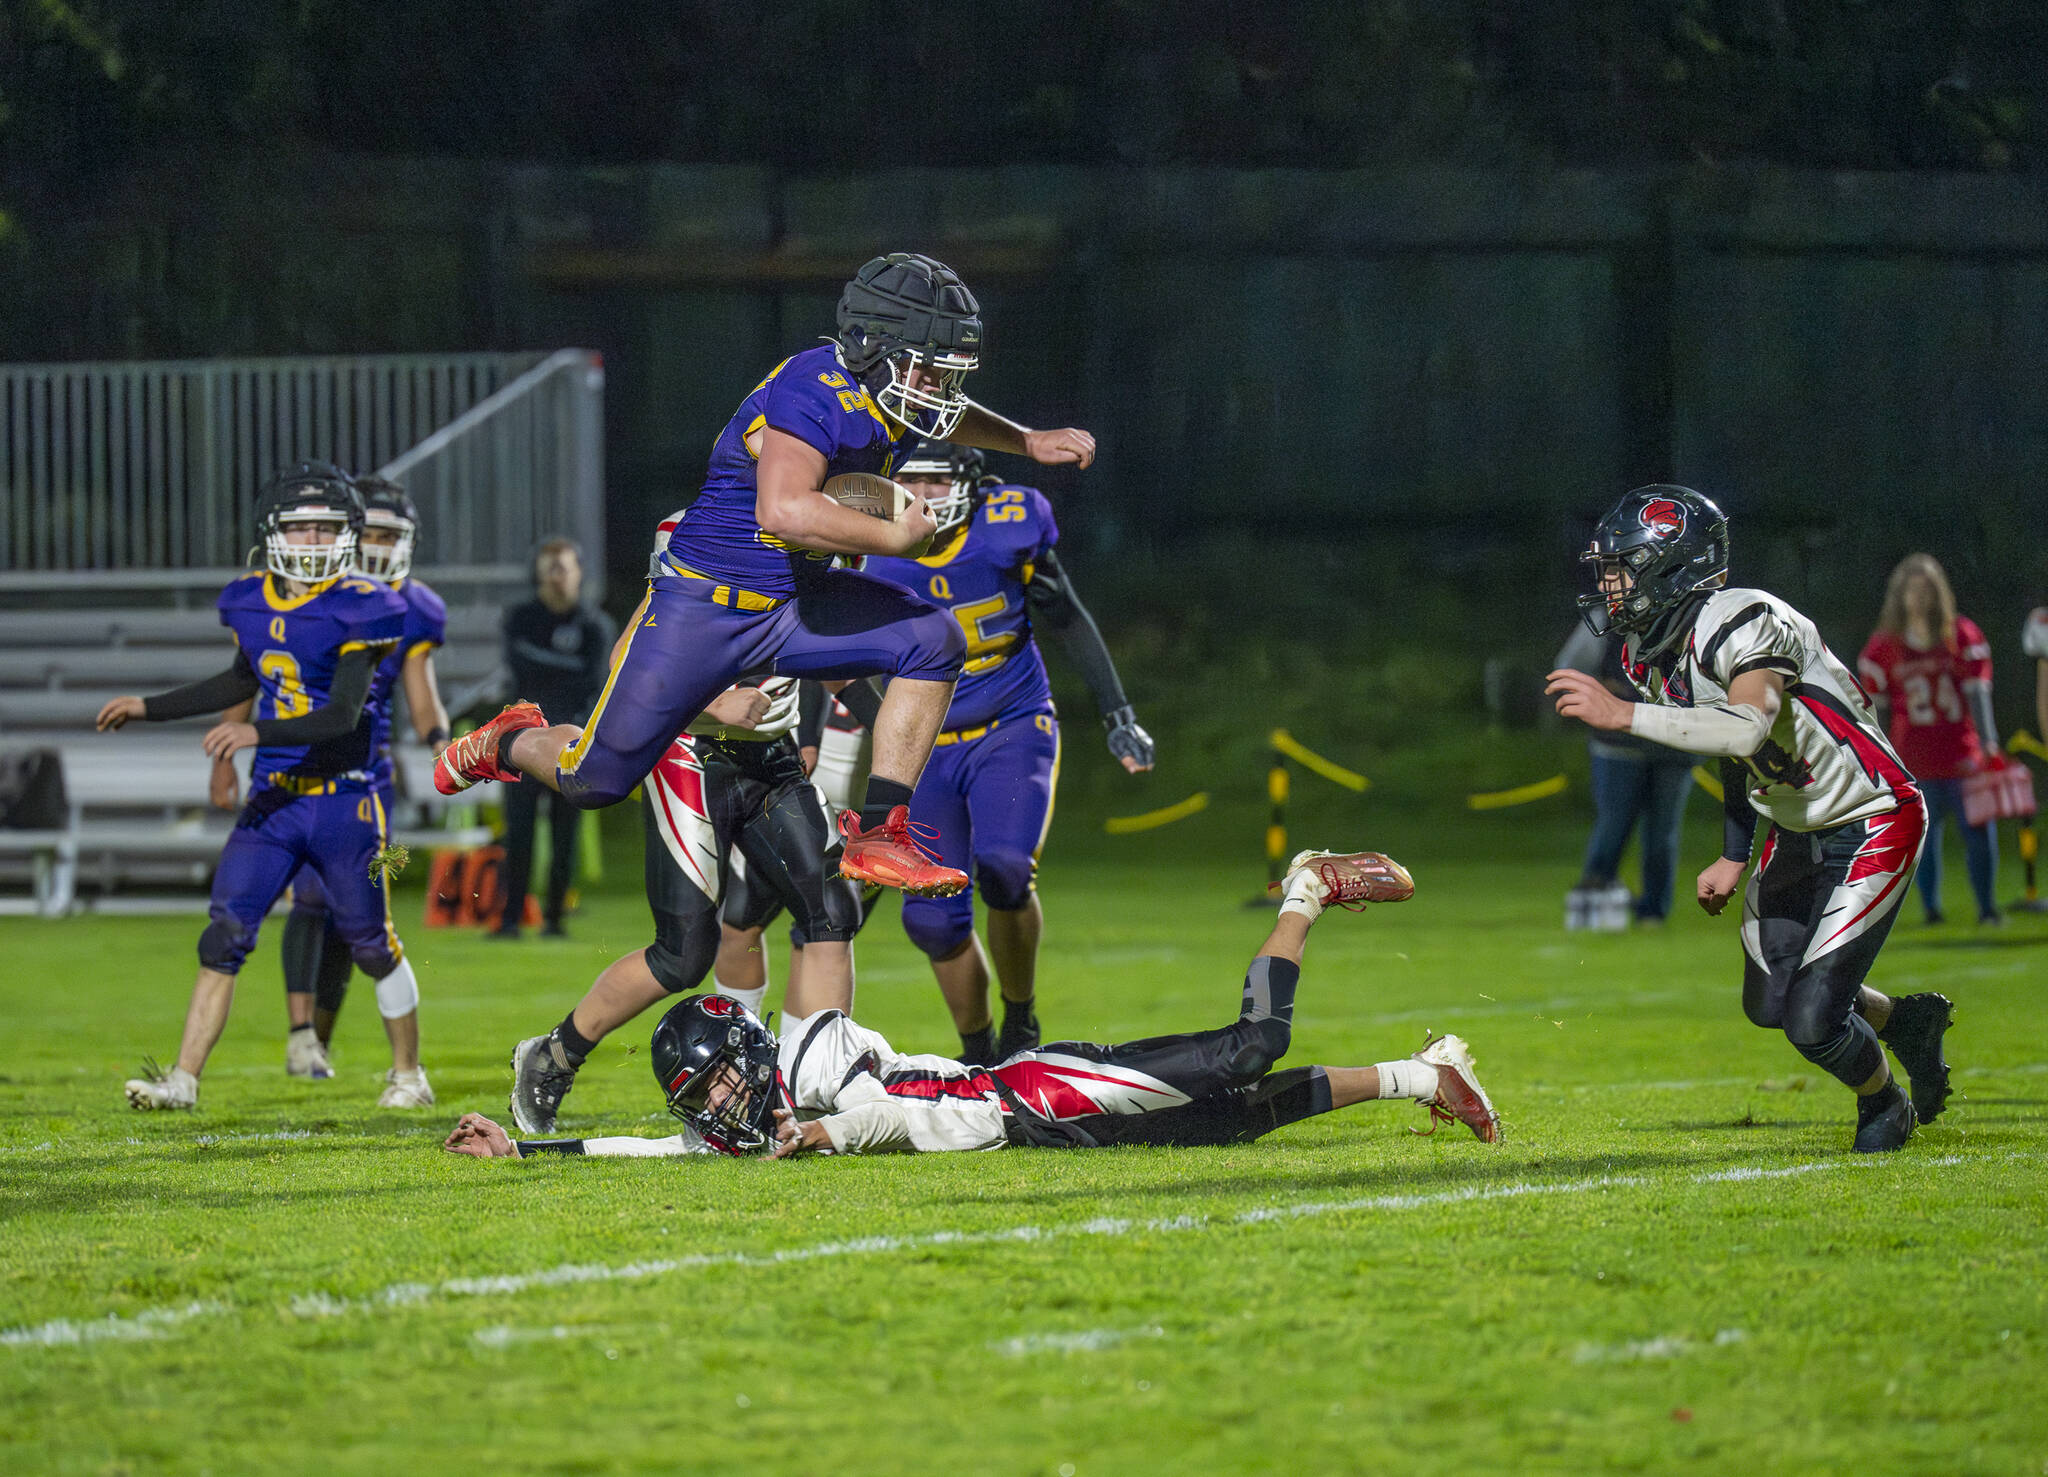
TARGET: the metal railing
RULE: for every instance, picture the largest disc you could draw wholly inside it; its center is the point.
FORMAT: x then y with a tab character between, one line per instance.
155	466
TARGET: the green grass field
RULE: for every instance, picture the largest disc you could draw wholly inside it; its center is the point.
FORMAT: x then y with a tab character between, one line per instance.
1671	1260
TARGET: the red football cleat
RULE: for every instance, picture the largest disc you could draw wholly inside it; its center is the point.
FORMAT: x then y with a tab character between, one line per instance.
890	856
474	756
1353	879
1459	1097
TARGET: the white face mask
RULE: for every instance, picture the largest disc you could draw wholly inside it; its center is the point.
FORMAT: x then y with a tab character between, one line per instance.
309	563
929	409
386	562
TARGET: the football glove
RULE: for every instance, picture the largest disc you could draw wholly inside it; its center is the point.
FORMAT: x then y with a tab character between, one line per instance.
1126	739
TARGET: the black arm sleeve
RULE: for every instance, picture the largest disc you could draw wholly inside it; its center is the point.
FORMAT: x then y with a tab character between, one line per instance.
335	717
810	711
860	698
1055	606
550	1146
1738	820
208	695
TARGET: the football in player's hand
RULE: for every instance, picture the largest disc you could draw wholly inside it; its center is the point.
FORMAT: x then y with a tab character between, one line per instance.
864	492
878	497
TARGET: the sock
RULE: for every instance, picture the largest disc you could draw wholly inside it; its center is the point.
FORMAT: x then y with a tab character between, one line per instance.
1407	1078
1269	987
183	1080
575	1045
882	797
753	999
1020	1012
505	751
978	1048
306	1027
1304	895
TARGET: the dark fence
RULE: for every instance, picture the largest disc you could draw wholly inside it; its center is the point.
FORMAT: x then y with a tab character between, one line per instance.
1447	359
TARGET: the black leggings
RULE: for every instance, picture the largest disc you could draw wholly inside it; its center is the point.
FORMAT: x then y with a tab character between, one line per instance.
756	799
1818	909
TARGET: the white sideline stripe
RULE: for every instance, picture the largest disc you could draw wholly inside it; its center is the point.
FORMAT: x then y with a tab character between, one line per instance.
1087	1341
1668	1346
568	1274
146	1325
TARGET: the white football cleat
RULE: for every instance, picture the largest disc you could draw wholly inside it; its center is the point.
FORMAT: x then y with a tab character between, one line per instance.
158	1091
1459	1097
305	1055
406	1089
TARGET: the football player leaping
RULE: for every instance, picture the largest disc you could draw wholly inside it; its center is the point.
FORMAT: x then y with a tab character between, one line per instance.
309	635
987	791
746	588
1740	674
831	1086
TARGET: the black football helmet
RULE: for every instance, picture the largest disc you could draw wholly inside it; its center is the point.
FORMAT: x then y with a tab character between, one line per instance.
387	505
902	312
309	492
1666	544
709	1041
964	467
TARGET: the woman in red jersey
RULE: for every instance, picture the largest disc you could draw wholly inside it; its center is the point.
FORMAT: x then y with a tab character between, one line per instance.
1929	672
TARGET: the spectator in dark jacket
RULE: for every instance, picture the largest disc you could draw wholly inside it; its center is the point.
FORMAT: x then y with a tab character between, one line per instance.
1634	781
559	651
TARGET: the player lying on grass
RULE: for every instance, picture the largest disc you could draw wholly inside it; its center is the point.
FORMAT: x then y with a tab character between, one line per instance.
309	636
834	1087
746	587
1740	674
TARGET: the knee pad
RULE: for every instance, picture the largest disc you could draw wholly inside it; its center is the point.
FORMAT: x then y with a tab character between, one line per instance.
837	918
1004	878
398	993
682	953
938	649
939	926
1260	1045
1809	1022
380	959
224	944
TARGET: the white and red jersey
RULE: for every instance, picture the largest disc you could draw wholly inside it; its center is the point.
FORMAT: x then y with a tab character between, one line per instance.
1928	692
2034	637
872	1098
1825	764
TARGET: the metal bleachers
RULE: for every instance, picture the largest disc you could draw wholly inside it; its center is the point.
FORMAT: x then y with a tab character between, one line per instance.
127	500
138	812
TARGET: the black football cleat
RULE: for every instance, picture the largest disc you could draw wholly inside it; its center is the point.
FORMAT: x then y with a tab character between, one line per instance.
1019	1033
1884	1121
541	1078
1914	1033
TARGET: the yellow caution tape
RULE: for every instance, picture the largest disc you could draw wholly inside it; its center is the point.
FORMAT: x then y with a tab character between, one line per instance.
1520	795
1708	781
1286	743
2025	743
1151	820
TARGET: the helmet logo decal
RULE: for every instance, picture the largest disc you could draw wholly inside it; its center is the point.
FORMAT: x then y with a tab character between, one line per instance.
1663	517
717	1005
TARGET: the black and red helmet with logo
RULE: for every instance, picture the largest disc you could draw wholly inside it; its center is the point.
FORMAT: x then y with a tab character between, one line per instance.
715	1062
1668	545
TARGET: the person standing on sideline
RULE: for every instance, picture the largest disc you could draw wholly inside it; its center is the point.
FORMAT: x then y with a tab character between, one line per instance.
559	650
1633	780
1928	671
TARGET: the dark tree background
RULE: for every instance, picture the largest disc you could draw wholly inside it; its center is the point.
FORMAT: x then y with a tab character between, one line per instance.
1866	84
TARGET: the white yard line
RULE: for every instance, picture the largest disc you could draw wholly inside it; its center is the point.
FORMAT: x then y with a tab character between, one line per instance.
319	1304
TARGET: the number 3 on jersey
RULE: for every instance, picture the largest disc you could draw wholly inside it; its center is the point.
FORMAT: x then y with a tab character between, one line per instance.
282	668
